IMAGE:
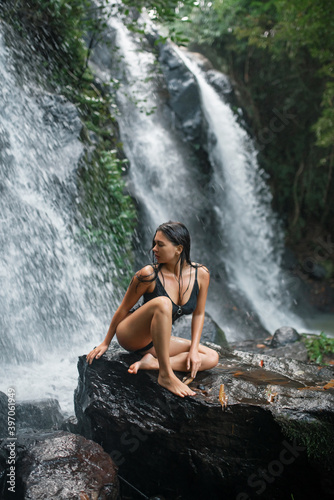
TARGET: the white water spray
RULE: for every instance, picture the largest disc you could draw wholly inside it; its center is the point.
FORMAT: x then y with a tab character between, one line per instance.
50	303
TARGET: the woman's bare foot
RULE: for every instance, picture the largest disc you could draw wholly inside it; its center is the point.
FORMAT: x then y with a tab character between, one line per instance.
171	382
174	385
147	362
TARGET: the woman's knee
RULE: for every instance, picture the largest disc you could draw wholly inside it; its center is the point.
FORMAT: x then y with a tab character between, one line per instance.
213	357
163	305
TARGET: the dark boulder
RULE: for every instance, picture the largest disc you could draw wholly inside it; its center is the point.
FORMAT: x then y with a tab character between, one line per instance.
58	465
43	414
273	437
211	331
184	98
39	462
284	335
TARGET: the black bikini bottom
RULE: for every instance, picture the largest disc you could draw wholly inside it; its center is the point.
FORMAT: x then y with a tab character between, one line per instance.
148	346
143	349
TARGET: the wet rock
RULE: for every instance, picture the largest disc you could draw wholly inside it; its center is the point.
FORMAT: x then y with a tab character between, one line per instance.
49	463
297	350
266	440
184	98
220	82
43	414
59	465
3	414
70	424
211	331
284	335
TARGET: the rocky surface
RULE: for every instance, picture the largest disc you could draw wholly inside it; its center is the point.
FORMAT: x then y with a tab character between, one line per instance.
211	331
184	97
43	414
50	464
285	343
268	436
295	351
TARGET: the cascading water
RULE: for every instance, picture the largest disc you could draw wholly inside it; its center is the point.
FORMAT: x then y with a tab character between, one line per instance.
246	241
254	240
49	298
159	175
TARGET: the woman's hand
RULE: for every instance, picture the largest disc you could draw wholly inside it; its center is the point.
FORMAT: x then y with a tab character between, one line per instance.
96	353
193	362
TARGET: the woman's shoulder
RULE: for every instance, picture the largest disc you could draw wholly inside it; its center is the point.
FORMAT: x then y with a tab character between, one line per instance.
146	273
203	273
201	269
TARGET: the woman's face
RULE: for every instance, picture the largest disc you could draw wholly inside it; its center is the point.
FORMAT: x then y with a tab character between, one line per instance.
164	250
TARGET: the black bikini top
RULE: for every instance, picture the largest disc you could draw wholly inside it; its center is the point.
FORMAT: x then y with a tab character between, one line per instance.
178	311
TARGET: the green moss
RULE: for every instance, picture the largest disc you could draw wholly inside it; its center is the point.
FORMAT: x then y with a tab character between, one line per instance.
108	215
221	338
317	435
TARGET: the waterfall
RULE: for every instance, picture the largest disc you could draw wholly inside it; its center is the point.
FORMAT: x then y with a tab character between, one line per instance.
50	308
254	238
159	176
247	238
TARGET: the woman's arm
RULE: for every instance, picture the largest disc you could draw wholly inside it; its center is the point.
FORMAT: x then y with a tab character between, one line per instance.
194	361
136	289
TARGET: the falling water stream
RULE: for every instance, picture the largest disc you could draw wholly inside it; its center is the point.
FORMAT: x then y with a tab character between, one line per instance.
253	235
50	300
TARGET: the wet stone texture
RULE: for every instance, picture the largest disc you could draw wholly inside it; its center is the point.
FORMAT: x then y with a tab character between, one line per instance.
64	466
269	436
184	98
51	464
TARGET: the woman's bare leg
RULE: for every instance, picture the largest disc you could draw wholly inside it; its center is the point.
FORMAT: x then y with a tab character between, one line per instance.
178	352
154	321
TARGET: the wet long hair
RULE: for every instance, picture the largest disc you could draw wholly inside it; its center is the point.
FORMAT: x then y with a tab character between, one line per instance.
178	234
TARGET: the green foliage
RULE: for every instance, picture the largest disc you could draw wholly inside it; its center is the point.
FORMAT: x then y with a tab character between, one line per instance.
55	30
159	10
324	127
279	54
108	214
318	346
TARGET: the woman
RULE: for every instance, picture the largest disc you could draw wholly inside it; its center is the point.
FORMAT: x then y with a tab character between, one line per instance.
172	287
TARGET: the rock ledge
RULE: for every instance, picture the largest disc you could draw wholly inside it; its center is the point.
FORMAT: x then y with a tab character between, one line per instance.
196	448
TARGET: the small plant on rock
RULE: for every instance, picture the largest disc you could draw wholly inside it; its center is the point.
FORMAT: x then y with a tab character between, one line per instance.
319	346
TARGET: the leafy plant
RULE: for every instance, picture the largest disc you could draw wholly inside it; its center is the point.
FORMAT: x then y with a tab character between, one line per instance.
318	346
